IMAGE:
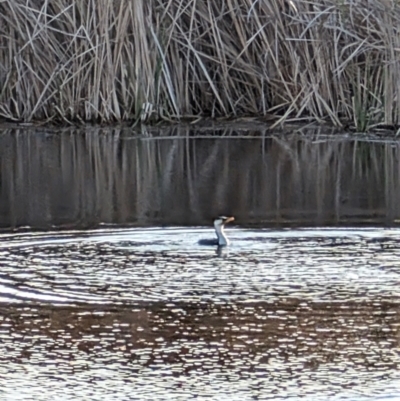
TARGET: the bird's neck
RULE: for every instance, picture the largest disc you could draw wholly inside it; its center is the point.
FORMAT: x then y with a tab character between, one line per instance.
222	238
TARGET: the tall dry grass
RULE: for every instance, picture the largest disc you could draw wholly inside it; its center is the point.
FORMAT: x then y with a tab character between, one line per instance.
115	60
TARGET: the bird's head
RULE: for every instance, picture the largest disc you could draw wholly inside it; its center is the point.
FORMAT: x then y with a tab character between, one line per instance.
222	220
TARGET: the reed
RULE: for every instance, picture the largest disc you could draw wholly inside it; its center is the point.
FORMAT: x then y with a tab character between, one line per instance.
147	60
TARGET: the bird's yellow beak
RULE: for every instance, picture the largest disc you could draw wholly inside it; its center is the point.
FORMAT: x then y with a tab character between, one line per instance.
229	219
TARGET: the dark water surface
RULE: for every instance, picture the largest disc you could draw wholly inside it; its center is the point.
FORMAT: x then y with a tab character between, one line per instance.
83	178
145	313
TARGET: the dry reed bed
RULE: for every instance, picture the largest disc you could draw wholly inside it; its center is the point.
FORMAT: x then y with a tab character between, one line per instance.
114	60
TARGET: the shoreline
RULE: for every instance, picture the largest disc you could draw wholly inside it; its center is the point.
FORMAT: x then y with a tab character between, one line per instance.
208	128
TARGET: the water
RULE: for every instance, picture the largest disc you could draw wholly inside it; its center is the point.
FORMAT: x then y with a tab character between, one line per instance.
148	314
106	294
80	179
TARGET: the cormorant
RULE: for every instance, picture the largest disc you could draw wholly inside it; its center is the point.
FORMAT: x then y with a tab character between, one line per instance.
221	240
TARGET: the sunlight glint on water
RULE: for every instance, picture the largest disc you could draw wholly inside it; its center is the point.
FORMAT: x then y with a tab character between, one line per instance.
282	314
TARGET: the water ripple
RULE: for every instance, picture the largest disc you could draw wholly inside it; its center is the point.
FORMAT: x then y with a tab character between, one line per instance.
148	314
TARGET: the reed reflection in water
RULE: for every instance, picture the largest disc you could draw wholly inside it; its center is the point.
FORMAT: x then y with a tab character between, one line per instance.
83	178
